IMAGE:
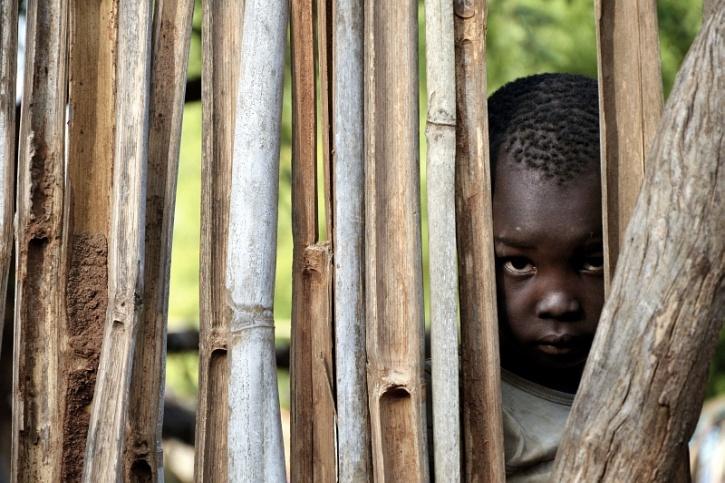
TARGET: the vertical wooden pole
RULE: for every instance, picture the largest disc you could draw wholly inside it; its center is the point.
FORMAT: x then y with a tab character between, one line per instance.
105	445
255	433
482	425
92	45
172	32
394	288
630	105
353	427
8	60
37	399
221	34
441	135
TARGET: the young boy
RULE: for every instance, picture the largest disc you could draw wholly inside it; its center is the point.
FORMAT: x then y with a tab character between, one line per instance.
544	138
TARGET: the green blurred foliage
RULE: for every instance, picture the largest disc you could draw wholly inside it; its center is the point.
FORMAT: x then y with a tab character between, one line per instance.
524	37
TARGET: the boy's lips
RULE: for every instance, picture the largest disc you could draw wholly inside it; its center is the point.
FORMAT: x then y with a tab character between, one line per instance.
562	344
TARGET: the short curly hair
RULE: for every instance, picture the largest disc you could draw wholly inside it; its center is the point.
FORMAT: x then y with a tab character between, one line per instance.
548	123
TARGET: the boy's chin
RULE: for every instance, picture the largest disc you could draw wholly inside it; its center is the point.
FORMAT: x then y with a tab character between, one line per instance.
557	358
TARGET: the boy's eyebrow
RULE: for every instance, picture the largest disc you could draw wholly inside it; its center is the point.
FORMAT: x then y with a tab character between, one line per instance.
512	243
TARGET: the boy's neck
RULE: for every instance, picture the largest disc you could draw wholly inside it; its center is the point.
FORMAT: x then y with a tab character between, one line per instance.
564	380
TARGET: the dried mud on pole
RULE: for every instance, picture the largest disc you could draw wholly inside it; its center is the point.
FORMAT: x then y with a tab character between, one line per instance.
8	61
482	426
106	438
394	288
254	428
221	37
171	35
632	415
37	394
630	105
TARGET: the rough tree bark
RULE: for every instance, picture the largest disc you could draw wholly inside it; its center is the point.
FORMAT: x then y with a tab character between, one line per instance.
644	383
482	423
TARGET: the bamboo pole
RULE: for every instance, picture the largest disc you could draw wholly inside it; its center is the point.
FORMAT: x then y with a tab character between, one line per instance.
394	288
630	105
254	433
105	446
441	135
221	32
482	425
644	383
37	398
84	273
8	60
171	36
353	427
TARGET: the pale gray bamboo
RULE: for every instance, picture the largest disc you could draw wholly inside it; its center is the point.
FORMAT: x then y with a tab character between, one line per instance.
630	105
441	164
38	397
172	32
221	31
8	58
106	443
644	382
256	451
353	427
394	278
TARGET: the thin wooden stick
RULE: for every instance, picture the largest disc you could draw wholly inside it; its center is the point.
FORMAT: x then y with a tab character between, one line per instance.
483	428
441	135
37	397
353	427
221	33
92	45
394	288
172	33
630	105
105	446
8	58
256	451
643	386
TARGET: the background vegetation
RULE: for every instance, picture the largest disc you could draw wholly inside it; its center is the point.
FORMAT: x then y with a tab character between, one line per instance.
524	37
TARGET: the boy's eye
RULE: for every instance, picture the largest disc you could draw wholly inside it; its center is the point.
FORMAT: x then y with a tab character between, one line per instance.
519	266
594	264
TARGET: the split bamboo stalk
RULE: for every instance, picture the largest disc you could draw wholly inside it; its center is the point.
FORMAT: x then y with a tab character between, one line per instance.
441	136
221	33
630	105
483	428
313	407
256	451
105	446
37	396
172	33
644	383
353	427
91	98
394	288
8	60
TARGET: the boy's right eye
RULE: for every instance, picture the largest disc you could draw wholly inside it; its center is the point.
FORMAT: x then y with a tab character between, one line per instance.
519	266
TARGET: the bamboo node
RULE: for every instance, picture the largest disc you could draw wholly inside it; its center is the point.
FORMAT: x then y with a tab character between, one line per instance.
250	317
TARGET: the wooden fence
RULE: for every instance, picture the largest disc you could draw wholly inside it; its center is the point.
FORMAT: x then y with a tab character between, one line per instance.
98	148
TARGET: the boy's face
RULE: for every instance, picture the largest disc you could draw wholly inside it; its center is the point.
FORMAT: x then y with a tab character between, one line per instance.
548	245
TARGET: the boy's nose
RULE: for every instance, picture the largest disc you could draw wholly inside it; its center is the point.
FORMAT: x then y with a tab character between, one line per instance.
558	304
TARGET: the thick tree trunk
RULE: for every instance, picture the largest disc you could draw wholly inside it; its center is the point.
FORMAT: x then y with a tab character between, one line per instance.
644	382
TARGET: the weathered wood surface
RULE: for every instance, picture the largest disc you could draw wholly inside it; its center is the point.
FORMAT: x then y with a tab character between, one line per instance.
643	386
482	425
171	36
8	61
630	105
37	395
441	170
394	288
106	443
221	34
91	98
353	427
254	427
